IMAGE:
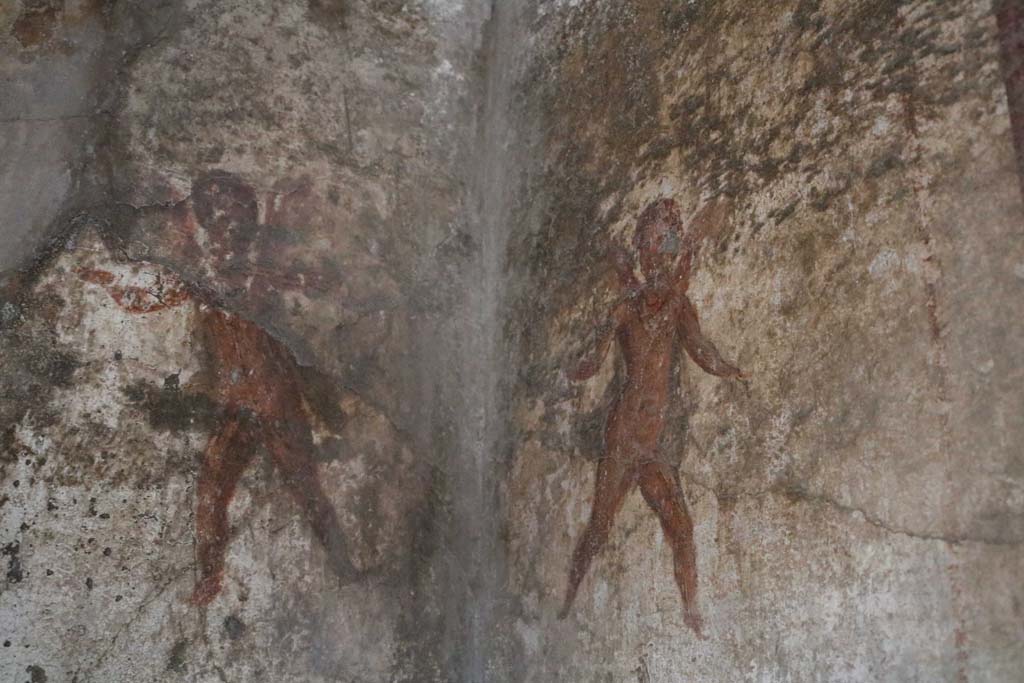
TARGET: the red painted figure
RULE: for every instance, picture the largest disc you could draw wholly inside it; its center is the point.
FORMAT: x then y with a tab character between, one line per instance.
647	323
254	379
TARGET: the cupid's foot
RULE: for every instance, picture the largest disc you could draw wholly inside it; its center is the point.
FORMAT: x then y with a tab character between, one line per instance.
693	619
342	566
567	605
206	590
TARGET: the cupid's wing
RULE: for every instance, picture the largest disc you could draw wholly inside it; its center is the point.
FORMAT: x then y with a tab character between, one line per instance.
710	220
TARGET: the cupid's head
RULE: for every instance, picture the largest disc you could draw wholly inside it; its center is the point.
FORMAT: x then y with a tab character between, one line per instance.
658	238
226	208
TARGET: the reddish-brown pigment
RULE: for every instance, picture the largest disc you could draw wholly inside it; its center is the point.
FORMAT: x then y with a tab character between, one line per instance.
36	22
649	322
256	382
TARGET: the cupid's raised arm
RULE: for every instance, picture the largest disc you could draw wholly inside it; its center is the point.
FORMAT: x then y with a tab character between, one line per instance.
136	299
709	221
699	347
622	262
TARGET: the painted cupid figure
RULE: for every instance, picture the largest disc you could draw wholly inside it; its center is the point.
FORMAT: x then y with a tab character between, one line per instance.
259	386
647	323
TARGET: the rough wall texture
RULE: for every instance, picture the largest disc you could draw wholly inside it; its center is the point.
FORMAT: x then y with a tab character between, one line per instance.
857	505
237	227
293	296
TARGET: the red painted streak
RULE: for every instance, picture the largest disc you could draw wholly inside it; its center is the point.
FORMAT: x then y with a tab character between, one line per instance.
131	298
95	276
961	640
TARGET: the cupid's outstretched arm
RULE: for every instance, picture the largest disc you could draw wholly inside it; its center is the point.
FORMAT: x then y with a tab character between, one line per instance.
165	294
701	350
590	360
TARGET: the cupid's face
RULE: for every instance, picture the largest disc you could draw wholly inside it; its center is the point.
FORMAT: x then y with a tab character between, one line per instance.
658	245
226	208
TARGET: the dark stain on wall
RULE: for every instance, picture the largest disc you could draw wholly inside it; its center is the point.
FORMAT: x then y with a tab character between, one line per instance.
35	25
35	366
329	13
169	408
433	517
12	551
176	658
234	627
37	674
1010	20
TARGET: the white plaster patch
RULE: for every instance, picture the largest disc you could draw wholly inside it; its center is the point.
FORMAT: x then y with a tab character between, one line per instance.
885	263
881	126
154	344
529	635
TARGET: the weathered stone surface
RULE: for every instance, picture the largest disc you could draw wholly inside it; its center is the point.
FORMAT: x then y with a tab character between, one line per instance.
857	505
51	55
101	491
293	296
272	184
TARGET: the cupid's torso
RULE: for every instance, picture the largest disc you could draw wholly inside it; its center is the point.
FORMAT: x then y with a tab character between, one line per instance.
647	338
250	368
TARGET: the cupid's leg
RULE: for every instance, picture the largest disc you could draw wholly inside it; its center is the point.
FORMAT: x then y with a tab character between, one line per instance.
661	490
225	458
291	446
614	479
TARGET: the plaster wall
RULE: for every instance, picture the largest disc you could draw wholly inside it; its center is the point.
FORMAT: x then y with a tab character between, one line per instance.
299	166
857	504
396	219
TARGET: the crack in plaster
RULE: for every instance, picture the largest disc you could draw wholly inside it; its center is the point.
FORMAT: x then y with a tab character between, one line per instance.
139	611
796	493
